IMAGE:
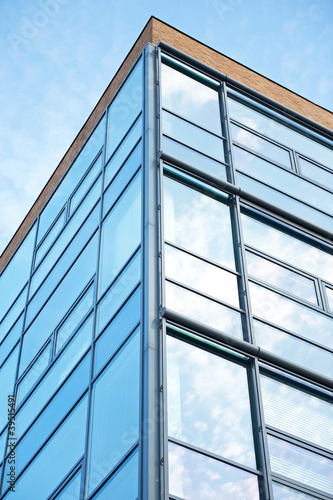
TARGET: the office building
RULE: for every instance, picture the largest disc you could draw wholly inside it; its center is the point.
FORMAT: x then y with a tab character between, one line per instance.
167	303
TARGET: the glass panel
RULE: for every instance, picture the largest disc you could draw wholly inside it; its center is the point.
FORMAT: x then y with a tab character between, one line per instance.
75	317
296	412
193	136
260	145
286	247
11	339
122	152
291	315
13	313
190	99
194	158
118	330
56	228
208	402
282	492
329	293
62	451
65	237
200	275
125	108
193	476
279	132
17	272
121	233
122	287
7	380
280	277
80	192
316	173
122	178
301	465
55	376
283	180
58	304
72	177
294	349
34	373
203	310
123	485
54	412
114	432
198	223
72	490
3	442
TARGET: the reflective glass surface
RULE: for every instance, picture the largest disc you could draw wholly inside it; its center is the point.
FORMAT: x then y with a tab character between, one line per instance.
33	373
288	248
85	184
301	465
329	293
190	99
121	233
193	476
3	442
62	451
52	234
121	288
72	489
13	313
316	173
291	315
72	177
193	136
7	379
208	402
200	275
294	349
194	158
297	412
260	145
282	492
202	309
124	108
118	330
115	412
280	277
198	223
17	272
123	485
11	339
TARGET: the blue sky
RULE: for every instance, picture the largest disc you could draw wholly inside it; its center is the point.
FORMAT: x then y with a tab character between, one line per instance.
58	56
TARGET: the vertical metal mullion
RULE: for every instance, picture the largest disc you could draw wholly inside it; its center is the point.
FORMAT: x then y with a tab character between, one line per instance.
226	131
150	411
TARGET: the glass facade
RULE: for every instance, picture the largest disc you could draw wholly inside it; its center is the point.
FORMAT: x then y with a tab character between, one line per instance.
166	324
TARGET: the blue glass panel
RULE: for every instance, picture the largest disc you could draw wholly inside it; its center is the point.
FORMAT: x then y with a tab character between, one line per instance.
121	233
125	108
122	152
117	331
115	412
72	177
194	158
58	304
190	99
122	178
17	272
72	226
124	284
3	441
7	379
282	492
52	234
72	490
294	349
193	475
55	376
33	373
123	485
193	136
54	412
63	450
13	313
316	173
11	339
85	184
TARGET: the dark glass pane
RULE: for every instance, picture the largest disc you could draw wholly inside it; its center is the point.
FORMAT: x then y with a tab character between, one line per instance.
316	173
301	465
125	108
198	223
193	476
190	99
123	485
115	412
